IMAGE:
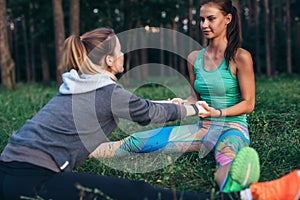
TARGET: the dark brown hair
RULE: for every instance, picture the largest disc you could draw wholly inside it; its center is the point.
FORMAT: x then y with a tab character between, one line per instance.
233	31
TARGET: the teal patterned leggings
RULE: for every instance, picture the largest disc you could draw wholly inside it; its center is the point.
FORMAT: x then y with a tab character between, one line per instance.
226	139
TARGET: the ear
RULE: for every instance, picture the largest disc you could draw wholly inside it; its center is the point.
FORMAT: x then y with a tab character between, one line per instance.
228	18
109	60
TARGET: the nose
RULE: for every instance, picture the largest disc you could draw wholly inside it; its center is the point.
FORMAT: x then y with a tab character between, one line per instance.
203	24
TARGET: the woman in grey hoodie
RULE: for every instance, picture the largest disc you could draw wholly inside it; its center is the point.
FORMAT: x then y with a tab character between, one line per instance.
40	158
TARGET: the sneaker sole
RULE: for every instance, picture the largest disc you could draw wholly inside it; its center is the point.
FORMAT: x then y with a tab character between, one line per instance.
248	157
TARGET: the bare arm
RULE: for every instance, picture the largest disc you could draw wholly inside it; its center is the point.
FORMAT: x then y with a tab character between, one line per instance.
245	75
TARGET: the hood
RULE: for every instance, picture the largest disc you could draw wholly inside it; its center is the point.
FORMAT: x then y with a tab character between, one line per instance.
73	83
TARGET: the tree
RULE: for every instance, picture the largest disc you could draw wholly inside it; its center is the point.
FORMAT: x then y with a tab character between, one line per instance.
6	62
298	44
26	48
257	36
28	41
267	39
59	34
273	36
288	38
74	17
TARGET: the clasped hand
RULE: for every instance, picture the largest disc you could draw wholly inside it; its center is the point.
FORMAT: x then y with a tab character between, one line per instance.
204	109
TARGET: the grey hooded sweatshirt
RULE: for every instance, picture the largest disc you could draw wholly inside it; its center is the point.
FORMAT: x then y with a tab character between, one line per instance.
78	119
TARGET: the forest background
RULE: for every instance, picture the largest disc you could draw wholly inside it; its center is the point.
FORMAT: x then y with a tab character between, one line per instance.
33	31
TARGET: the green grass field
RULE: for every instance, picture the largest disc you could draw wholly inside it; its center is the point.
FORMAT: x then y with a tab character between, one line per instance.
274	128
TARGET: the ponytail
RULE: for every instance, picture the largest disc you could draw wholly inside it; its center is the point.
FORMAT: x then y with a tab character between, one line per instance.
74	53
233	35
86	53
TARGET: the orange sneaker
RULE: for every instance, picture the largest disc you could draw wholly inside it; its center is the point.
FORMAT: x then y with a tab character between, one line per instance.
284	188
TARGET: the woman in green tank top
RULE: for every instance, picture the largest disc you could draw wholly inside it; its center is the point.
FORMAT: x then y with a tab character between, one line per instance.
222	81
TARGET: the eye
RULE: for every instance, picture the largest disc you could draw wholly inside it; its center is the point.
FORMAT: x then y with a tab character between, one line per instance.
202	19
211	18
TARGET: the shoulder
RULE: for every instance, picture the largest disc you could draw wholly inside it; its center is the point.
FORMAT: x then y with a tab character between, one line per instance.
192	57
242	55
108	90
243	58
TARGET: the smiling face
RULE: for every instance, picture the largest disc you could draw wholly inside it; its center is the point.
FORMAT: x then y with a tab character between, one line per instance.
213	22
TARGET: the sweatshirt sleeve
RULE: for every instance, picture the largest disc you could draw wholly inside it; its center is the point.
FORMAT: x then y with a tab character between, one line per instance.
125	104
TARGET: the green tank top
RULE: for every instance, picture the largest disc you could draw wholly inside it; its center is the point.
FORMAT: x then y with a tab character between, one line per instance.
219	88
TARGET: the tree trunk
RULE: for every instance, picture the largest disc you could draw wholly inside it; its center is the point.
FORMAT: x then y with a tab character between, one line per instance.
16	51
174	46
298	45
190	16
143	54
288	38
45	64
130	40
162	53
182	61
74	17
108	13
267	39
6	62
273	37
32	46
257	36
59	34
250	16
26	49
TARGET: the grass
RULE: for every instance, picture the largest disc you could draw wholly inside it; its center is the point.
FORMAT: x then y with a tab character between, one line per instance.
274	128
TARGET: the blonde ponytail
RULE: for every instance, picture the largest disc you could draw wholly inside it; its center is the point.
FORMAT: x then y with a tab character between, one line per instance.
85	53
74	53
